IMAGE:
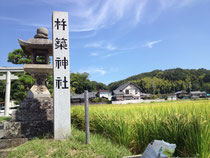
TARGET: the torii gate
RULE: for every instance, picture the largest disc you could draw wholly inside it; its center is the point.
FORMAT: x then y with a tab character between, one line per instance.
8	79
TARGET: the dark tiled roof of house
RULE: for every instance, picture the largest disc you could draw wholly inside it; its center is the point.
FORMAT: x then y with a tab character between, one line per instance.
123	86
181	92
197	92
81	96
118	91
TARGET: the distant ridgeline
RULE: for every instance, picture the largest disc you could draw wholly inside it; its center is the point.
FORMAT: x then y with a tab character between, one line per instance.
155	82
169	81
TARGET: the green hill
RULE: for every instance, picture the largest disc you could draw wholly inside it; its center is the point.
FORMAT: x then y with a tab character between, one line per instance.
169	81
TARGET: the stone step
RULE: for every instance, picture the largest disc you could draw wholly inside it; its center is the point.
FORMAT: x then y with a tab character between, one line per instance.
1	133
1	125
9	143
27	129
1	130
5	152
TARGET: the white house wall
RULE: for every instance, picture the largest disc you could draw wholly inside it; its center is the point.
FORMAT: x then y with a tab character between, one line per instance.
107	95
132	90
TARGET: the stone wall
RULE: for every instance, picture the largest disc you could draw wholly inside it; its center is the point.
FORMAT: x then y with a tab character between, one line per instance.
34	118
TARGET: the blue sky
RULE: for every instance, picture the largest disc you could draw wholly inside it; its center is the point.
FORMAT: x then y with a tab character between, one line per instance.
114	39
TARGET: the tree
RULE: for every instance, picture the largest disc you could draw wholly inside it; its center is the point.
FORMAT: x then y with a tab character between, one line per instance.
18	57
168	81
98	86
20	87
80	83
2	90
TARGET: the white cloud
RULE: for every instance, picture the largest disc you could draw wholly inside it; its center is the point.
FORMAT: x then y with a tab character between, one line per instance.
150	44
110	47
94	54
108	55
9	19
23	22
101	45
92	15
140	11
95	44
94	70
165	4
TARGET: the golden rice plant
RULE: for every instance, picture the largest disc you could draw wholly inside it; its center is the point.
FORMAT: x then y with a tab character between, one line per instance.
185	123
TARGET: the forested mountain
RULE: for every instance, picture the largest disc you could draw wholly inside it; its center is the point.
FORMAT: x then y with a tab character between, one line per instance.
169	81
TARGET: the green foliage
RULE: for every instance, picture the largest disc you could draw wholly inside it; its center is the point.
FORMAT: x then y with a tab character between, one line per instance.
18	57
154	97
185	123
49	84
2	91
4	119
101	100
20	87
75	146
169	81
80	82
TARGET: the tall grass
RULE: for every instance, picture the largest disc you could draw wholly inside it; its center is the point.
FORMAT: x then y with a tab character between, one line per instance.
185	123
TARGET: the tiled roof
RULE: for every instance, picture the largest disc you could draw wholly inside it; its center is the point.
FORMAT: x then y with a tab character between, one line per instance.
180	92
119	91
197	92
123	86
81	96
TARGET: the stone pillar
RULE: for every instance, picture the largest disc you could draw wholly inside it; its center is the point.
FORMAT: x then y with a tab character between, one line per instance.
7	95
61	76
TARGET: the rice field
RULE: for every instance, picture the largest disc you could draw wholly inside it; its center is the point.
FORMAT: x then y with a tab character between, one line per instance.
184	123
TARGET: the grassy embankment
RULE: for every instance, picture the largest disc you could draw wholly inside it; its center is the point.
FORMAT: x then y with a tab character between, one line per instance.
185	123
73	147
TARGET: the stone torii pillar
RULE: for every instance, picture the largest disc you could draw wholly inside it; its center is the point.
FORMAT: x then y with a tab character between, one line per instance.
8	79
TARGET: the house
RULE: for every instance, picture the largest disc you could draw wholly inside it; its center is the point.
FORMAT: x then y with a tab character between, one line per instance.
127	91
197	94
172	97
145	95
80	98
105	94
182	94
